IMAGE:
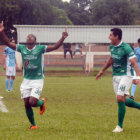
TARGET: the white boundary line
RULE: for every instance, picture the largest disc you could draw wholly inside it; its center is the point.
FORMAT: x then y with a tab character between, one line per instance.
3	107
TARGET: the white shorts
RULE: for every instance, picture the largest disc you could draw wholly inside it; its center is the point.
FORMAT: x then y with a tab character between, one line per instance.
10	71
31	88
122	84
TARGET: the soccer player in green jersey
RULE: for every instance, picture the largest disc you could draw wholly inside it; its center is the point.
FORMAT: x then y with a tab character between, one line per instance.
33	63
122	59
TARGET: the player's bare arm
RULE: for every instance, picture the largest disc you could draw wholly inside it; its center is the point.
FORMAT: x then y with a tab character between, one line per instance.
59	43
5	38
108	64
136	67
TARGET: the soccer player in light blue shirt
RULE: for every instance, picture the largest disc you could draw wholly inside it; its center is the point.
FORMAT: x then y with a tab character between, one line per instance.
137	53
10	67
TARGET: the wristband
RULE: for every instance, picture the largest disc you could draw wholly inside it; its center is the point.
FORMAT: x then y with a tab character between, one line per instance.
138	77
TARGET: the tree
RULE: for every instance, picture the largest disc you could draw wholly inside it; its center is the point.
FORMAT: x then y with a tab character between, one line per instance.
113	12
60	17
77	12
30	12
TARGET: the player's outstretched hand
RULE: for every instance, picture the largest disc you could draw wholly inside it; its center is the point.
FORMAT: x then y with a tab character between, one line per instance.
1	27
65	34
98	76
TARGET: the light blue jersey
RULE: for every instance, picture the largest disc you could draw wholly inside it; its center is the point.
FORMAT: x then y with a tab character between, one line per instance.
137	53
10	57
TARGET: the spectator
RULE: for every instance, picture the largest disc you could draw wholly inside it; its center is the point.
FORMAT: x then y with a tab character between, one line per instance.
78	48
67	48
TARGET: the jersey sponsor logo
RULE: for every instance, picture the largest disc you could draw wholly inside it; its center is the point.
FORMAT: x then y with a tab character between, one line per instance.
116	65
33	52
122	71
119	51
26	63
115	56
30	57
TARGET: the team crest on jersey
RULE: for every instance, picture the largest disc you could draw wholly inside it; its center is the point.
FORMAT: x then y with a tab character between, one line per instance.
26	63
33	52
119	51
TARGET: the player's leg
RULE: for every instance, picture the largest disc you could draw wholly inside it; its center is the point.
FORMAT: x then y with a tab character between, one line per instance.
121	110
12	82
133	89
7	80
25	94
131	103
119	88
30	113
34	99
123	91
13	74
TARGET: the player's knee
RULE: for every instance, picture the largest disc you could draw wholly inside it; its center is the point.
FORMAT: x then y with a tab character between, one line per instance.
32	102
13	78
120	98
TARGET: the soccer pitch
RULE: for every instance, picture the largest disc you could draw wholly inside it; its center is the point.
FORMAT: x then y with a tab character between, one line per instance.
78	108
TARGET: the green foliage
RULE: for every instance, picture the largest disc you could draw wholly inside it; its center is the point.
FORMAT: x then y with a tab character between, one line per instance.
114	12
34	12
60	17
77	14
39	12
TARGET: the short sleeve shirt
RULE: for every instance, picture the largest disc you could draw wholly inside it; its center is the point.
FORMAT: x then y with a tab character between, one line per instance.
33	61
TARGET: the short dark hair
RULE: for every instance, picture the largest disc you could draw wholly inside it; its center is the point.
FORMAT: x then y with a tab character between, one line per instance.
139	40
33	36
117	32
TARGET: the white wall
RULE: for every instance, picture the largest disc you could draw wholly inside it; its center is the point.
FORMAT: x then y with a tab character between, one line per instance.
85	34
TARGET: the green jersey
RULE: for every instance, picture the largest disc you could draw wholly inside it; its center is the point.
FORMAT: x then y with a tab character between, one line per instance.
33	61
121	55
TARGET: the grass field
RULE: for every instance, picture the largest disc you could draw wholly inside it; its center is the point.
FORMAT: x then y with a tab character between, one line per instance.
78	108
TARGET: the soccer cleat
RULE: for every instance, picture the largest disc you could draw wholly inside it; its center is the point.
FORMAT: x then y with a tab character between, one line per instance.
117	129
8	90
42	108
33	127
131	97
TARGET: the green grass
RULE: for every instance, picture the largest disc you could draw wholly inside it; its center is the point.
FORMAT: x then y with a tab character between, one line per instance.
1	69
78	108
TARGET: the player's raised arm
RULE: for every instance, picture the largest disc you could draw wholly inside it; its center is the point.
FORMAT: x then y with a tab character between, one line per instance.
108	64
59	43
5	38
